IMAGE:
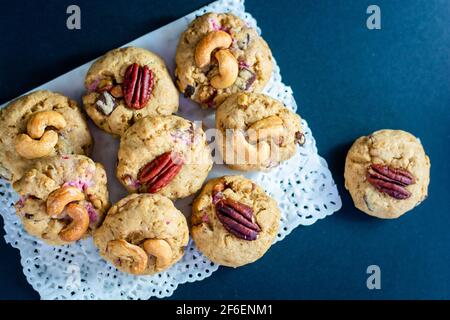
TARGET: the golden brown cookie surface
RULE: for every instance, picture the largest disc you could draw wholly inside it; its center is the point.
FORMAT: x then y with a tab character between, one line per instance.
59	191
166	155
125	85
234	222
219	54
39	125
257	131
387	173
143	234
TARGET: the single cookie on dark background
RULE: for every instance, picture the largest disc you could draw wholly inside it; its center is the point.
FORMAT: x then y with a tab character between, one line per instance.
234	222
126	85
62	199
168	155
143	234
220	54
39	125
387	173
257	132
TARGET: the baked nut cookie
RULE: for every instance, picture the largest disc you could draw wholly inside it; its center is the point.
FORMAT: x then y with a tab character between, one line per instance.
126	85
387	173
37	125
234	222
257	132
220	54
166	155
143	234
63	198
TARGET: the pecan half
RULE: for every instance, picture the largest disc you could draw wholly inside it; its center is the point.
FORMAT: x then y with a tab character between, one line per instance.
137	86
237	218
161	171
391	181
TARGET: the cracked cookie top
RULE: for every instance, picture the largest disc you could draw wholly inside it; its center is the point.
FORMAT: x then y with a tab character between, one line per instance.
71	138
241	232
85	183
125	85
257	131
244	56
142	234
387	173
168	155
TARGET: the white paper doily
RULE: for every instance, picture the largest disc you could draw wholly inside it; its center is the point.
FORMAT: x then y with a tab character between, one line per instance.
303	187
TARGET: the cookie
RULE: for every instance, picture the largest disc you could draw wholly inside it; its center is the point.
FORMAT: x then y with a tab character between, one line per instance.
256	132
38	125
62	199
126	85
387	173
143	234
220	54
234	222
166	155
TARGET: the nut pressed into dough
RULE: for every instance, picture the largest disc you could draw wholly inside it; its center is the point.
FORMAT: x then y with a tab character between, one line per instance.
49	175
393	148
211	237
151	137
239	113
74	138
112	66
140	217
251	51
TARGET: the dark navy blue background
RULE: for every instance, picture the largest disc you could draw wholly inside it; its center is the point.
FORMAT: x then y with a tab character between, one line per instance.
348	82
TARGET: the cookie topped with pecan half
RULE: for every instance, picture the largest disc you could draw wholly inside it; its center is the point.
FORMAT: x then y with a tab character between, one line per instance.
387	173
126	85
220	54
234	222
164	154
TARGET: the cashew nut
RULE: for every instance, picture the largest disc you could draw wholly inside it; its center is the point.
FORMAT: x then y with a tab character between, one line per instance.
32	149
161	250
228	69
58	199
213	40
270	127
135	257
240	151
80	223
43	119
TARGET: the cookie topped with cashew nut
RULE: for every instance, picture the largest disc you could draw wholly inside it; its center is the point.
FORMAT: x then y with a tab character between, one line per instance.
143	234
387	173
220	54
257	132
166	155
39	125
234	222
62	199
126	85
